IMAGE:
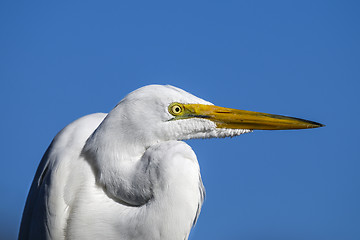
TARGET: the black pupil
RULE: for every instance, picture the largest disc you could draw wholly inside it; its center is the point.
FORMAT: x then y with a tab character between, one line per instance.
177	109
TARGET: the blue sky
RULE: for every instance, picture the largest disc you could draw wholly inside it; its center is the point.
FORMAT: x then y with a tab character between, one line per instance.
62	60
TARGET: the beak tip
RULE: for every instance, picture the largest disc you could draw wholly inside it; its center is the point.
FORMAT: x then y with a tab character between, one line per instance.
316	125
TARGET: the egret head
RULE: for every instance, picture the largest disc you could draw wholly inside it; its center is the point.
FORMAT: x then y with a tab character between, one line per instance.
158	113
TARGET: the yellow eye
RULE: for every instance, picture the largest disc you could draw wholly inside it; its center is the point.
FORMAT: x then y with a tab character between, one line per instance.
175	109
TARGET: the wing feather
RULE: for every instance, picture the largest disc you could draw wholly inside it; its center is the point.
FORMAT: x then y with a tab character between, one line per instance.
46	196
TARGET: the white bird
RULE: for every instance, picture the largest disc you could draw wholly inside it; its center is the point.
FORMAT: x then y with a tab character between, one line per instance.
126	174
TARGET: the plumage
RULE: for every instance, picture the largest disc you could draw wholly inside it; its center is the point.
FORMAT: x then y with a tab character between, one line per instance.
127	174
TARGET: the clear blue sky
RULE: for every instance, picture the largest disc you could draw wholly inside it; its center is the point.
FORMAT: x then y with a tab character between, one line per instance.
60	60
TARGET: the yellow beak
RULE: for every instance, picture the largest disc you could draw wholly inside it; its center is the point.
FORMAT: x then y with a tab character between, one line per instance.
241	119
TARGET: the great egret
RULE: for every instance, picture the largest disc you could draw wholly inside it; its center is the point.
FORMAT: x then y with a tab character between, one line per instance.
126	175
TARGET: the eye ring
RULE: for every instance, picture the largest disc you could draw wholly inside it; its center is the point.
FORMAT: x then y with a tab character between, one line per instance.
176	109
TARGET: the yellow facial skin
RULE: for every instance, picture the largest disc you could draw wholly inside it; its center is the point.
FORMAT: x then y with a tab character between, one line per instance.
239	119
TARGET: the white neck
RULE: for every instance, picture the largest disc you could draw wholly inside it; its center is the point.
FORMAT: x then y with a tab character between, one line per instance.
117	166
